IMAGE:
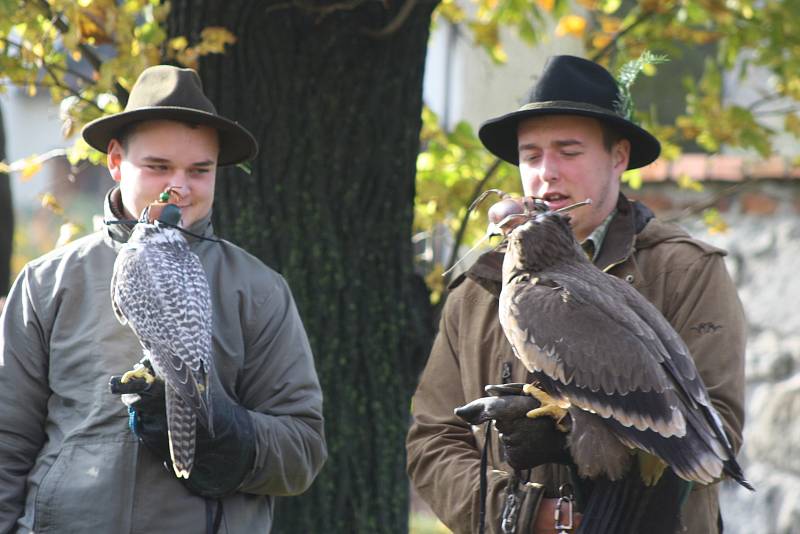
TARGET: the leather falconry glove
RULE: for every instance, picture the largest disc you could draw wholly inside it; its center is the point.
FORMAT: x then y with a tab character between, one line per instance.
527	443
221	462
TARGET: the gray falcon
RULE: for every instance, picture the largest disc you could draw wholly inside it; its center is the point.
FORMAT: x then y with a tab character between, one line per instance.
159	288
599	351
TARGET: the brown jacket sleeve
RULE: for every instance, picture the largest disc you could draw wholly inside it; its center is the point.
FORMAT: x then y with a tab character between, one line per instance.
707	313
697	296
444	455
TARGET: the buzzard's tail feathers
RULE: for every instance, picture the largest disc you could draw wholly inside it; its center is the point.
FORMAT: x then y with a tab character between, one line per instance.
734	470
629	506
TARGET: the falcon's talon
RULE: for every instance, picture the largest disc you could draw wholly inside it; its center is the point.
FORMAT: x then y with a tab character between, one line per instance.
138	371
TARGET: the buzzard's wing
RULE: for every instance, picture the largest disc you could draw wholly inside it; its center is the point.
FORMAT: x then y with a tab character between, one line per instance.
597	361
594	350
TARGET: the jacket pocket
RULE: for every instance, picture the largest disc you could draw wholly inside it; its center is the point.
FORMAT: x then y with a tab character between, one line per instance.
87	488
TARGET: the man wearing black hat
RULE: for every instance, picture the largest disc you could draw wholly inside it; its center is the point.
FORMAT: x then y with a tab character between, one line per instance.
571	141
68	460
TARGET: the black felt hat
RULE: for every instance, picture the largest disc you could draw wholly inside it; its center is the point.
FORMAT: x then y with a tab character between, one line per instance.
570	85
164	92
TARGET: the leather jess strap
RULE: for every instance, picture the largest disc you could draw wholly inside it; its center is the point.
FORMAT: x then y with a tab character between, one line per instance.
546	518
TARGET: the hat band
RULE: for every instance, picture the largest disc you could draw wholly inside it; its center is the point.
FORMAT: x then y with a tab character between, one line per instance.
569	104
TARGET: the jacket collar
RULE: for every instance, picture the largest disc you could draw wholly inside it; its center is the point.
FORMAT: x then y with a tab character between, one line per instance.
618	246
118	233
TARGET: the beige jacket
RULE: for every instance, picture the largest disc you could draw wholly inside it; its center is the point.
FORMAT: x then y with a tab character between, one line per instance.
684	278
69	463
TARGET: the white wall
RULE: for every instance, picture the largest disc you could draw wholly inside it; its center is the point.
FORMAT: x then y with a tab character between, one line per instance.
32	127
480	89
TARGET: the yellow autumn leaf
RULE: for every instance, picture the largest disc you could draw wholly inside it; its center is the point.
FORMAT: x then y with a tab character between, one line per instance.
214	39
571	25
791	123
68	232
498	53
425	162
601	40
29	166
633	178
50	202
687	182
32	90
546	5
714	221
451	11
610	24
178	43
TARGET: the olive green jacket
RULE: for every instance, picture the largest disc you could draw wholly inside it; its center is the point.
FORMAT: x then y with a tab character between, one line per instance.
69	463
684	278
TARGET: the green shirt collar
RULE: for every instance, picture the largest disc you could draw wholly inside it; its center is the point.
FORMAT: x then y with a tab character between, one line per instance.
594	241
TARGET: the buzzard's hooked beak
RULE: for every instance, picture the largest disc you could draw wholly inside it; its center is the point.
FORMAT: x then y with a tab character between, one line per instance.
571	207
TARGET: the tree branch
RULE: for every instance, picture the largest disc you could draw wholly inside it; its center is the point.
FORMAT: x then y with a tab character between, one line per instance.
700	206
395	23
766	99
65	70
783	111
613	43
480	186
89	53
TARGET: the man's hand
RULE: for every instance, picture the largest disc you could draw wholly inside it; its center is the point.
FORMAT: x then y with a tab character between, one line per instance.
221	462
527	442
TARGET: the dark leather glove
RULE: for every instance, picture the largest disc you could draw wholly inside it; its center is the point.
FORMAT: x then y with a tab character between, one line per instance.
527	442
221	462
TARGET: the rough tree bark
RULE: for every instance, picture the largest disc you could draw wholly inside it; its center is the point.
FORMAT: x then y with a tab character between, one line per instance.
6	220
329	205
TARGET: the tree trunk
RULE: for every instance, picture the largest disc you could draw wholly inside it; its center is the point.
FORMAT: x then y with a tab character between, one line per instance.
329	204
6	220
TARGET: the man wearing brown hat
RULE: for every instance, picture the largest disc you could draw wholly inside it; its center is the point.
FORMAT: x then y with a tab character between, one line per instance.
571	141
68	460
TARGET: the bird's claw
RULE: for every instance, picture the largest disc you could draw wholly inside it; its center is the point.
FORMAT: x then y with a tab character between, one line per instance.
139	371
549	406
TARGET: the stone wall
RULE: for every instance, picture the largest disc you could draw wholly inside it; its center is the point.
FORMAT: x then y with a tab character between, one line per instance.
762	212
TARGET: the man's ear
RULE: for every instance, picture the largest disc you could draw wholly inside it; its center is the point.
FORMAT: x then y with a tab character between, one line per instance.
621	154
114	157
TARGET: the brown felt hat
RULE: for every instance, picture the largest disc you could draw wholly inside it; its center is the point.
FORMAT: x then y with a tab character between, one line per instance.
164	92
570	85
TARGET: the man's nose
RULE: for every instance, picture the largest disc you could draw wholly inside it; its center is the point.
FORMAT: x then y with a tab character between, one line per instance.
548	172
179	181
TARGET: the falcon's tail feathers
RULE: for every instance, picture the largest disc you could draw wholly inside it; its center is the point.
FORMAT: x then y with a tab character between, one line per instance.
182	430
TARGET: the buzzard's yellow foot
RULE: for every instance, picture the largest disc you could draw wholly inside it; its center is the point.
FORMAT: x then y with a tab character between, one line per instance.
651	467
557	409
139	371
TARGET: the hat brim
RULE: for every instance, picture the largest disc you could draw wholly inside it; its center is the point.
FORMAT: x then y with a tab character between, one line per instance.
499	135
236	144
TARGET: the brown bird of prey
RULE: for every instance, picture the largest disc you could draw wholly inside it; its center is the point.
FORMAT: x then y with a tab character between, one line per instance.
600	352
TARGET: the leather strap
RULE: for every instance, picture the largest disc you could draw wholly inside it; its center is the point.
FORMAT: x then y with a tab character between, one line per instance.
545	518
